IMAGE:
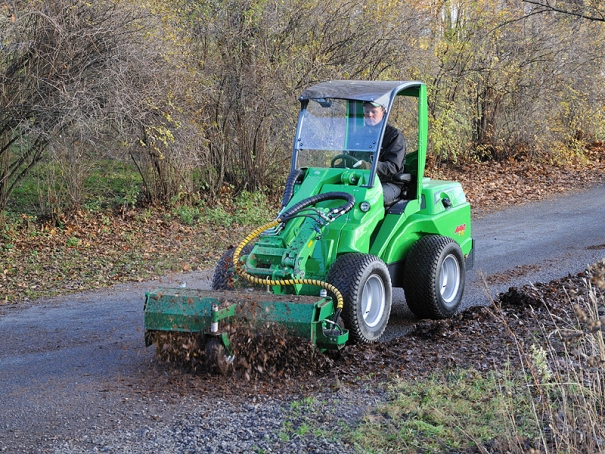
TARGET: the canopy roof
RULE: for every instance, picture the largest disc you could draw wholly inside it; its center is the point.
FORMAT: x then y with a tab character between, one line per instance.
360	90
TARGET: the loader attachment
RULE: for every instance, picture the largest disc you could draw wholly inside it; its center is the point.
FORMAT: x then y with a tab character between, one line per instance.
216	315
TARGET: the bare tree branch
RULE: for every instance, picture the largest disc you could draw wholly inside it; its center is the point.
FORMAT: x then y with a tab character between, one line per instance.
571	8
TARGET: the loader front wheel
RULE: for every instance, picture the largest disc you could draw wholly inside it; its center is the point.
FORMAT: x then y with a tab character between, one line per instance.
365	285
224	277
434	277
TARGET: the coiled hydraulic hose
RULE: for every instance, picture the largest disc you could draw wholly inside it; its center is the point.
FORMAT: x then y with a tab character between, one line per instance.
289	190
289	214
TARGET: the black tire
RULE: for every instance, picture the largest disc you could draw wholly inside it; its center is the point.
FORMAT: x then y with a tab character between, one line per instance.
434	277
365	285
224	277
215	357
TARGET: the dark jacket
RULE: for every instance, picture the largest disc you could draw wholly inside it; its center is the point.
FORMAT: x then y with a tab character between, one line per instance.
392	153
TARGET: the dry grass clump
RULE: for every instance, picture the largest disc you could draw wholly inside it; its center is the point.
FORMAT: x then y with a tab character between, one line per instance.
565	370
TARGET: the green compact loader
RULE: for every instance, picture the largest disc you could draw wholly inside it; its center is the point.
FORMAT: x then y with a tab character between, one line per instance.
324	269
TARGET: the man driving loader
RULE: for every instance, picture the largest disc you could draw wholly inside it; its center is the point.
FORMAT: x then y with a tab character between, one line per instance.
391	158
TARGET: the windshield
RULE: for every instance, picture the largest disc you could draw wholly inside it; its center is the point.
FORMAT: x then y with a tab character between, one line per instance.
334	127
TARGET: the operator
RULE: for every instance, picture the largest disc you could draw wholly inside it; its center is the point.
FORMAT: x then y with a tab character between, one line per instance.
391	158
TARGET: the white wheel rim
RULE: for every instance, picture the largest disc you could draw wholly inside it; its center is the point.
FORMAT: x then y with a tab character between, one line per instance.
373	301
449	279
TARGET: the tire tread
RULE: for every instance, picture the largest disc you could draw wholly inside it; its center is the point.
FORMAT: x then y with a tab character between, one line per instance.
420	277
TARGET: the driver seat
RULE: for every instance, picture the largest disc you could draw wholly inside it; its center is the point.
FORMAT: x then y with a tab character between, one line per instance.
403	180
396	189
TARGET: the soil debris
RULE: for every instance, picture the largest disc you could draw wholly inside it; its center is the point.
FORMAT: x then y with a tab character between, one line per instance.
483	338
264	351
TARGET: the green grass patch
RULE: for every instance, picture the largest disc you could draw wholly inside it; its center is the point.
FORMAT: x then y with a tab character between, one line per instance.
104	183
252	208
311	417
448	412
93	249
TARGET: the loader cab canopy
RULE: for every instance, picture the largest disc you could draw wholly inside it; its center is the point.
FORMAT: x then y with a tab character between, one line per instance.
331	121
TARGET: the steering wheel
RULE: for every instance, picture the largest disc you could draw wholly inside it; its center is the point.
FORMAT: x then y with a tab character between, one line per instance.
344	160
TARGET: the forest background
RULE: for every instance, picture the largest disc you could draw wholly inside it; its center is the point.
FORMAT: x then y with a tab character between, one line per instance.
116	106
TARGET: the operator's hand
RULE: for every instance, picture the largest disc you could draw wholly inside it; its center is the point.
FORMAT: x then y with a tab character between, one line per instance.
361	164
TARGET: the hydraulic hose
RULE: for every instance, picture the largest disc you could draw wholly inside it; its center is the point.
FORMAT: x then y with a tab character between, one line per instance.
289	190
342	209
287	215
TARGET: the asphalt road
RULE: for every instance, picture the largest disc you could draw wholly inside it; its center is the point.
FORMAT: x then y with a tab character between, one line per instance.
77	365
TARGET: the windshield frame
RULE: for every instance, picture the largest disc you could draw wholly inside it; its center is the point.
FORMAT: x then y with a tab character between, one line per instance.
335	127
382	92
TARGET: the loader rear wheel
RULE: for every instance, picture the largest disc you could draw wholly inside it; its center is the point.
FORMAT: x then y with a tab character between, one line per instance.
224	277
365	285
434	277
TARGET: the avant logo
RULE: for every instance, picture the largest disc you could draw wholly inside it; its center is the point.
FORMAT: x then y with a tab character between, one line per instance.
460	230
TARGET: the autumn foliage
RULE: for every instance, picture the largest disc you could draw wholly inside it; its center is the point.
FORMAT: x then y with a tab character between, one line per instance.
199	95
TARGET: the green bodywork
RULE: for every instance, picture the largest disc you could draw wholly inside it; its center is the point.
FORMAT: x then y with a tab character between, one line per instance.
194	311
304	248
300	250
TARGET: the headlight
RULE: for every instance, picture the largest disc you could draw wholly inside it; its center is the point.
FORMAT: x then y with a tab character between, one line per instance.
364	206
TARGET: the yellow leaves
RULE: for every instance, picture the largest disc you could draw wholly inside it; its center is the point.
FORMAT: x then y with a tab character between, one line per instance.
157	137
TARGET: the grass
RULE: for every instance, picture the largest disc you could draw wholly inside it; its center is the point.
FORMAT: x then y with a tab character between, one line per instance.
451	411
446	413
551	401
106	183
97	248
304	415
114	184
246	208
109	239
